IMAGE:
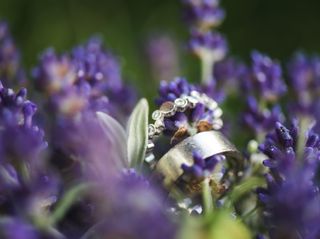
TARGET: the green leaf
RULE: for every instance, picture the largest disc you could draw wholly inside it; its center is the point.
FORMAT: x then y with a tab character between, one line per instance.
138	134
117	138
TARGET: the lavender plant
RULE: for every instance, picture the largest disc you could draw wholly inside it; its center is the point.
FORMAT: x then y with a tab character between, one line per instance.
73	159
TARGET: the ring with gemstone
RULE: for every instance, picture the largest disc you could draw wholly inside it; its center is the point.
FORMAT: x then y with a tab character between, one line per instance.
181	104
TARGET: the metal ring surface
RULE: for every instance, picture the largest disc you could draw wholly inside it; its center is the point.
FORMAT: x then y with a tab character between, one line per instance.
207	144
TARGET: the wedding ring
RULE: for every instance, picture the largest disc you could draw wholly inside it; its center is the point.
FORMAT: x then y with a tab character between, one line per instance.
206	144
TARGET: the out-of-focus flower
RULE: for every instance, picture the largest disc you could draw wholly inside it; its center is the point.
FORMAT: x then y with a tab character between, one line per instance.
11	72
263	85
28	188
291	200
203	14
77	85
134	209
88	78
20	137
163	57
208	46
261	120
225	80
303	79
264	78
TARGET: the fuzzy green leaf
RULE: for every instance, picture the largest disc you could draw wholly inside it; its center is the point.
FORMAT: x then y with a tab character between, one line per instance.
138	134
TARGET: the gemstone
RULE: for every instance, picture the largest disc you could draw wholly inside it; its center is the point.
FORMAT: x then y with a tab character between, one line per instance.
156	115
168	108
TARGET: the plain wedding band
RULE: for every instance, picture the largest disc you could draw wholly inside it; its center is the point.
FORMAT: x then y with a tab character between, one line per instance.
207	144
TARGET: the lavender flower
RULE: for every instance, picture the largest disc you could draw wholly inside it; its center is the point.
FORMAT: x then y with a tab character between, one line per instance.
163	57
20	137
203	14
264	78
225	79
291	200
28	188
209	46
261	120
263	86
88	78
304	73
11	72
201	167
135	209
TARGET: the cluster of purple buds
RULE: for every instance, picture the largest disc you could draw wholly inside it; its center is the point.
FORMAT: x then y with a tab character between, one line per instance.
211	168
201	167
27	186
87	79
210	46
291	200
203	14
20	137
11	71
303	79
263	85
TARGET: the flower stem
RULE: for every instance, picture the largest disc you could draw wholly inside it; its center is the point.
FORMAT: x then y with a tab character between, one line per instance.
207	64
207	198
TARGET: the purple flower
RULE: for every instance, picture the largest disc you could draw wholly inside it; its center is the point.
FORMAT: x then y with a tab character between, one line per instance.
263	86
201	167
163	57
28	188
226	74
259	119
291	200
87	79
169	91
11	72
209	46
203	14
264	78
20	138
135	209
304	75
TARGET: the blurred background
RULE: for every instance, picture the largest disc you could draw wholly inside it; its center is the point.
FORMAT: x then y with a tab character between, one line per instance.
271	26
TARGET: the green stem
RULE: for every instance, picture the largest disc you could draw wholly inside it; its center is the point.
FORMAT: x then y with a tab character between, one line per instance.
207	64
70	197
207	198
301	142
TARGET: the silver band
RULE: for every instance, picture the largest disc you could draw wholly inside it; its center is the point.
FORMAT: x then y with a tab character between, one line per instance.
207	144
